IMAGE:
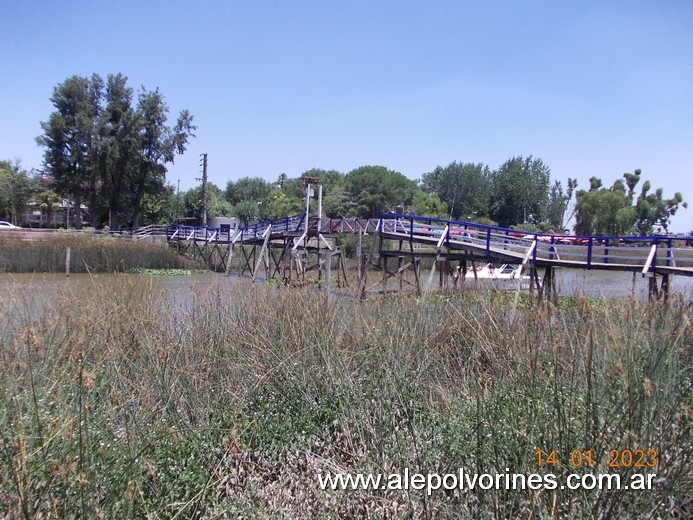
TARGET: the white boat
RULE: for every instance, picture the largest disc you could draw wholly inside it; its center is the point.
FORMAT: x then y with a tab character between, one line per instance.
506	276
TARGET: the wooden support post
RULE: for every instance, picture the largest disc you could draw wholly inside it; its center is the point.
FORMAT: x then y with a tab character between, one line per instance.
448	273
380	249
245	263
252	260
399	266
296	260
415	263
531	282
540	285
321	257
665	288
220	259
342	262
253	256
549	285
328	270
364	271
266	262
632	287
229	254
434	265
359	255
284	259
265	251
652	293
441	273
545	285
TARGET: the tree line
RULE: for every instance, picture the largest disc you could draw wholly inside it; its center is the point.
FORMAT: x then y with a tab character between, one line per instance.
518	194
108	149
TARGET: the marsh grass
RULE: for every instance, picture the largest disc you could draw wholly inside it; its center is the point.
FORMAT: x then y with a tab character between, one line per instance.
94	254
125	403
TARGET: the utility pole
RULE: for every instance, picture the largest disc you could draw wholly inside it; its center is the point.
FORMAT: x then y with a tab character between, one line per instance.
178	204
204	189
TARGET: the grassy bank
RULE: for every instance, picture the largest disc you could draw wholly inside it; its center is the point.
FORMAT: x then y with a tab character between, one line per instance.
93	254
122	403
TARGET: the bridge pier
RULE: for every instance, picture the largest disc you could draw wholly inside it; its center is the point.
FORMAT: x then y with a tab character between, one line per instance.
658	293
367	260
211	253
533	281
548	285
248	261
665	288
463	273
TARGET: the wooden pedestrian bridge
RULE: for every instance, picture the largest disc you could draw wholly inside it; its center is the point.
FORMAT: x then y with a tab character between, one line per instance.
396	244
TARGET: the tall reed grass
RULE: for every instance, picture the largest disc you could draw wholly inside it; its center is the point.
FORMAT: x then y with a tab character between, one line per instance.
128	402
87	254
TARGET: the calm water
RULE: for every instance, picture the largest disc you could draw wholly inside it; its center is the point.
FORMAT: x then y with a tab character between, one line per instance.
616	285
35	289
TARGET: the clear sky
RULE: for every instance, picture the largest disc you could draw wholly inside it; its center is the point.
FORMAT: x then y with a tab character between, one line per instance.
593	88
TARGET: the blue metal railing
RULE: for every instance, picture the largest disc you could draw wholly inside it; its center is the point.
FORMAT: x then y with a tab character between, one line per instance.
564	248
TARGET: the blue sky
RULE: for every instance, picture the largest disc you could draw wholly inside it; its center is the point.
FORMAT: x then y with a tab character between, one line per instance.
591	87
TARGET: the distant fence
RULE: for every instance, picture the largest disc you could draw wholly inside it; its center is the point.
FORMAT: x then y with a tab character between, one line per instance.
126	233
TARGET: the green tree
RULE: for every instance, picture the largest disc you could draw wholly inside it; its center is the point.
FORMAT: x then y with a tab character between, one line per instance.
428	205
602	211
338	203
652	209
375	188
280	205
217	205
70	136
97	145
156	210
283	177
247	189
157	146
246	212
16	189
328	178
47	201
119	148
520	191
295	190
289	198
465	188
614	211
192	205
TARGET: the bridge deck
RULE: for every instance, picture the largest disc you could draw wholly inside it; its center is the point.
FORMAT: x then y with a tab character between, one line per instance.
513	252
654	254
